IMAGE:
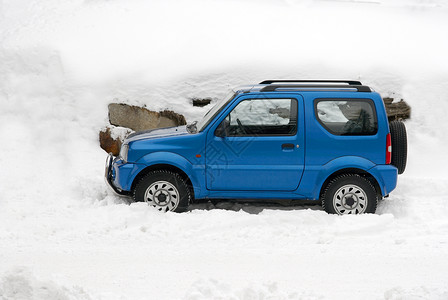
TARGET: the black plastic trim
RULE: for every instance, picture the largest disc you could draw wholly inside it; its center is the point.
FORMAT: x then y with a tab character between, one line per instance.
350	82
312	87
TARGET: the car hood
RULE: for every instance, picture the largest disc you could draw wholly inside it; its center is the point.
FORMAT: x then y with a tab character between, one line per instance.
157	133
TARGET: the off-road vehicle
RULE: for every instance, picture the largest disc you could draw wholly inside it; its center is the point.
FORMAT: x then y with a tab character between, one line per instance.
320	140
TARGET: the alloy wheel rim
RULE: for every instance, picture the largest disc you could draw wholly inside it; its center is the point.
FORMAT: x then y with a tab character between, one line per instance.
350	199
162	195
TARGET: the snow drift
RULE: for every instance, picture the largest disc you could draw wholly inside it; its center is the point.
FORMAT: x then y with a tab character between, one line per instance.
62	63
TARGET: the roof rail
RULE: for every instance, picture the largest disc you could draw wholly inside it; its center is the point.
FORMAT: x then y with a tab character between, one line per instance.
350	82
314	87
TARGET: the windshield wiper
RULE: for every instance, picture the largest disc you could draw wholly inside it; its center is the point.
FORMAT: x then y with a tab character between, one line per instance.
191	128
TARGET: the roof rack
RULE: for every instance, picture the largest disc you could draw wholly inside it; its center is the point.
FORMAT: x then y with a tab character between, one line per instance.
313	85
350	82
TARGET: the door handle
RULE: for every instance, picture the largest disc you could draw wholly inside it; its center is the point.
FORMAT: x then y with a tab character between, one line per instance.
288	146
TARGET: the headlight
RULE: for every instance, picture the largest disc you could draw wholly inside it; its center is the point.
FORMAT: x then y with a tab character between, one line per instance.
124	152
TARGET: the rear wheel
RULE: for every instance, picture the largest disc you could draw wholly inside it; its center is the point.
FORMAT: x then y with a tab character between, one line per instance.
349	194
399	145
163	190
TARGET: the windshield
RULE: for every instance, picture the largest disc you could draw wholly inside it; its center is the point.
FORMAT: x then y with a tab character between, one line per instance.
214	111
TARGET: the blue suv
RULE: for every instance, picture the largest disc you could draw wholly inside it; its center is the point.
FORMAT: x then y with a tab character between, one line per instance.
322	140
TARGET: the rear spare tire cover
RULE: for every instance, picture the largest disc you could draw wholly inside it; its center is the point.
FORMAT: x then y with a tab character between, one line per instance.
399	145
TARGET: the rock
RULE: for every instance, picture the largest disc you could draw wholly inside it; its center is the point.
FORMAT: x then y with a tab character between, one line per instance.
397	110
169	116
201	102
134	117
388	100
139	118
111	138
126	119
109	144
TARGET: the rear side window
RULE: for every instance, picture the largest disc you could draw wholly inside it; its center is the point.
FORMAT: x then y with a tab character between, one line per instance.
347	116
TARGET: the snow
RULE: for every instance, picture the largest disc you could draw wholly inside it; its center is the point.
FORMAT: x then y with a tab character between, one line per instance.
117	132
20	284
65	235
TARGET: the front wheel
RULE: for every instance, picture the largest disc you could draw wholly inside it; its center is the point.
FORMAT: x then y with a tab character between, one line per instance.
349	194
163	190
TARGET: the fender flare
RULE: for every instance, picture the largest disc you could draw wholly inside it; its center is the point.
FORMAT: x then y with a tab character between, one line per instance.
173	159
322	173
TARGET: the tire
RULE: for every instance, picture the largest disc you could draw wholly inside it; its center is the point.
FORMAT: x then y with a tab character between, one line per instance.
349	194
163	190
399	145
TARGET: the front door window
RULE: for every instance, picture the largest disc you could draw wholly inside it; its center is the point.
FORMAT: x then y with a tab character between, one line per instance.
263	117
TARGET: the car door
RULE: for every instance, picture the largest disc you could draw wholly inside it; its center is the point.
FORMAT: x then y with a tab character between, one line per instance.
257	144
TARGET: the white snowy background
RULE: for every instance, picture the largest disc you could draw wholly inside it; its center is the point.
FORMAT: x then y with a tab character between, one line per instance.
65	235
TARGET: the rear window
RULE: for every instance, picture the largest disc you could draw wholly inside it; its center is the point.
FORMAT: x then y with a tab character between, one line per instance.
347	116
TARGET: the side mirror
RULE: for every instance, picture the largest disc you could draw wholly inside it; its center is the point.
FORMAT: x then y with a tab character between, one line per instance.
223	129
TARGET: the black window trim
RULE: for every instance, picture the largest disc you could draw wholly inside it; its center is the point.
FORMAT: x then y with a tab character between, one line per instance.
271	135
366	100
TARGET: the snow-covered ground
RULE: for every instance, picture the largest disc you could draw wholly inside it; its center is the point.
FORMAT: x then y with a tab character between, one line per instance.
64	235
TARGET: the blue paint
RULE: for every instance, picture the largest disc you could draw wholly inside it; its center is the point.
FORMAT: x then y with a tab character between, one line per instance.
261	166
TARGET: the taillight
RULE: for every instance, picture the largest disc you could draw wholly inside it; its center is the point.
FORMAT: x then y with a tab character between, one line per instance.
388	149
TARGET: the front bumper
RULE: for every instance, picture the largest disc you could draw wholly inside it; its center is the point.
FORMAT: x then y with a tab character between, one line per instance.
108	176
